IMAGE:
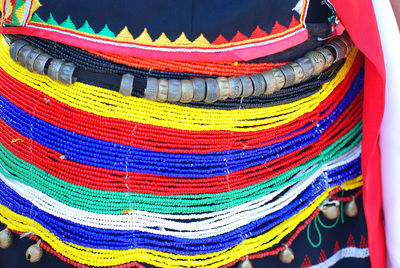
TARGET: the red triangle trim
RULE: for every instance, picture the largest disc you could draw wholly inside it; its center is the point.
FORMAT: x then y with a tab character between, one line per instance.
337	248
220	40
322	256
258	33
350	241
306	262
294	22
278	28
363	242
239	37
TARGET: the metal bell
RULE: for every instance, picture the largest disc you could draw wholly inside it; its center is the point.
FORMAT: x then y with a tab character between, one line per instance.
286	256
351	208
5	238
331	212
245	264
34	253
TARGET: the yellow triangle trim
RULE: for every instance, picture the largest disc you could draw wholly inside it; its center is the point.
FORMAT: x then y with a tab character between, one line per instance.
182	40
144	38
125	35
201	41
162	41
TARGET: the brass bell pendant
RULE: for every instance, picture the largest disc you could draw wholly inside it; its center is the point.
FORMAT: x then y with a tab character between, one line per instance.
331	212
351	208
286	256
245	264
5	238
34	253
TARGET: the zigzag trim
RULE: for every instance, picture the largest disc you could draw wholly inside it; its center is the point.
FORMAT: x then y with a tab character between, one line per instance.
23	14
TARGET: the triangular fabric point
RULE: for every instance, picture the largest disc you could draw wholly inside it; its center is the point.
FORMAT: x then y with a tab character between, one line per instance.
350	241
306	262
182	40
124	35
239	37
200	41
294	22
337	248
278	28
363	242
51	20
220	40
36	18
67	23
106	32
322	256
258	33
86	28
144	38
163	40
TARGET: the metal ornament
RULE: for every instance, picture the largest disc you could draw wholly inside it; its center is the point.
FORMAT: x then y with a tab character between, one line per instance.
162	90
151	90
23	54
279	77
54	68
34	253
327	55
199	89
187	91
5	238
287	255
224	89
66	74
270	82
318	61
126	86
40	63
245	264
212	92
259	84
307	66
331	212
174	90
351	208
236	87
15	47
289	74
32	58
247	86
298	72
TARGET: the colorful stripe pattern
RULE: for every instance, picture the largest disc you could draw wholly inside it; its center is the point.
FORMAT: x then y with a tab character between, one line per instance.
107	180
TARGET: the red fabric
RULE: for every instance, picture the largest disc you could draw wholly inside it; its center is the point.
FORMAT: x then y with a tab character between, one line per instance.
358	16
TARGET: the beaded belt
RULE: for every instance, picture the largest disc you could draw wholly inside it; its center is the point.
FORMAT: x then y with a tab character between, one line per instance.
183	171
187	90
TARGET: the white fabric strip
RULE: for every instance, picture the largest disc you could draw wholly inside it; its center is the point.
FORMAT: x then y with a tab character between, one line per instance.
203	225
350	252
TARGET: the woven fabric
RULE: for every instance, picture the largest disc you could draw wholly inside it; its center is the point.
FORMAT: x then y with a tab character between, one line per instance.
108	180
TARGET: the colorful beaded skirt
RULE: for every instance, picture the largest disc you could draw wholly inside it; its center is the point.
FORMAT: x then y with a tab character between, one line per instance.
102	179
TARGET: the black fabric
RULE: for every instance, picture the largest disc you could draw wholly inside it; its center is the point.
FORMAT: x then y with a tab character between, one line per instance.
208	17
